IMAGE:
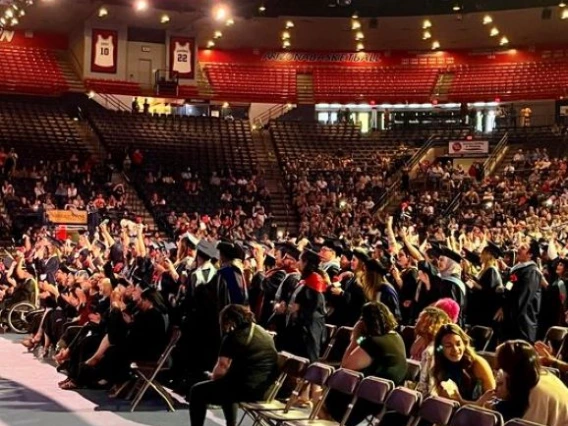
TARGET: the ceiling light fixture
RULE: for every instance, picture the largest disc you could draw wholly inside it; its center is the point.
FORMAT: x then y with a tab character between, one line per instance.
141	5
360	46
359	35
210	44
165	19
218	34
103	12
494	32
355	25
504	41
289	24
456	7
229	22
286	44
487	20
221	12
286	35
427	35
426	24
435	45
262	8
562	4
564	14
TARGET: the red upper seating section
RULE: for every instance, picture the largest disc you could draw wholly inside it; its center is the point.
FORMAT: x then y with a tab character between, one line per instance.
387	84
250	82
521	80
30	70
115	87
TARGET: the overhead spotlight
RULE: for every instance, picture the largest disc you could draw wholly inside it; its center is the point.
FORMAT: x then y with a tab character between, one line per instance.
359	35
229	22
456	7
225	105
426	24
289	24
221	12
218	34
141	5
504	41
103	12
91	94
285	35
210	44
355	16
2	21
22	13
564	14
262	8
14	22
286	44
487	20
435	45
9	13
165	19
360	46
562	4
355	25
426	35
494	32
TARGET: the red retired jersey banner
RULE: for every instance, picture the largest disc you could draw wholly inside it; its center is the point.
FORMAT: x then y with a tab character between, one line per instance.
104	51
182	57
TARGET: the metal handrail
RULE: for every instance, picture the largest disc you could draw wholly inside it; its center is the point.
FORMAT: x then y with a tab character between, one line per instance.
386	198
272	113
488	167
496	155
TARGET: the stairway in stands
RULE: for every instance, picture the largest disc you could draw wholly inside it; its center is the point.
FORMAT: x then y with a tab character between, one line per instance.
73	80
442	87
305	88
280	202
135	204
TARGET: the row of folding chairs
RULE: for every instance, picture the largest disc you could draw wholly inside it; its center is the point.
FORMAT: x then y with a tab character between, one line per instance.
395	404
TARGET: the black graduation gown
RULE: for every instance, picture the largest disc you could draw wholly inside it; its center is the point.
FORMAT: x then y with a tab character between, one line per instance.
483	303
553	307
346	306
305	330
522	303
407	293
453	287
388	296
266	284
425	297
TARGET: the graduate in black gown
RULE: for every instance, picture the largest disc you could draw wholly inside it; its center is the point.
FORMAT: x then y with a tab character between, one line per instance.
305	316
554	301
346	296
486	295
523	298
452	285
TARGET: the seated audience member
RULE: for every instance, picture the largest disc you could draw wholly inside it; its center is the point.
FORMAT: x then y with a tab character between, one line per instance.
245	369
524	389
429	322
376	349
459	373
450	307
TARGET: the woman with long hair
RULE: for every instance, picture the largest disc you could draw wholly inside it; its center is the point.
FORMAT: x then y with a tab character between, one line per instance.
305	316
486	295
347	296
458	372
524	389
377	288
430	320
376	349
554	302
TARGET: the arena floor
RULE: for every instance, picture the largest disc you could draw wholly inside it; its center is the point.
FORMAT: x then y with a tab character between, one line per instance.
29	396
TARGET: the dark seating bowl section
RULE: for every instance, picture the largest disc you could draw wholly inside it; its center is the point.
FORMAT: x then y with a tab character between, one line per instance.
39	129
171	146
30	70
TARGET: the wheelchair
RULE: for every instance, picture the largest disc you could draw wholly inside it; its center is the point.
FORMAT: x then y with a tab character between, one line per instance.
18	317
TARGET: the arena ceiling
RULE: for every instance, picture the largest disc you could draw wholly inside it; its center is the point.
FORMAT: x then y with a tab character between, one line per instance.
523	27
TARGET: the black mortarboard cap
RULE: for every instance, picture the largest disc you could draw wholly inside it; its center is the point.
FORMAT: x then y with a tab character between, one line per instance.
227	249
472	257
450	254
310	256
289	249
494	250
428	268
335	245
361	254
207	249
374	265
